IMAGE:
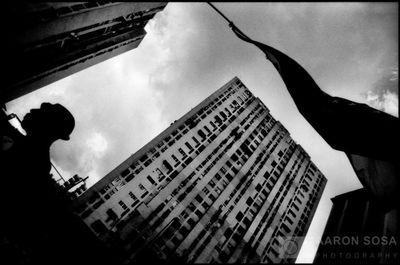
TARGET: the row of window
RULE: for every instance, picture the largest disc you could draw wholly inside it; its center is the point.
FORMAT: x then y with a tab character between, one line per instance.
239	185
184	182
189	146
254	204
201	203
225	175
145	160
149	177
277	200
212	184
168	141
283	229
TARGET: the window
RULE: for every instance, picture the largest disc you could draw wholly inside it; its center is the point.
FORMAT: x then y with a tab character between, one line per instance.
208	130
223	115
249	201
213	125
289	220
295	206
133	197
175	159
201	134
241	230
191	222
167	166
149	178
196	141
198	213
218	120
285	228
246	221
123	205
189	146
212	197
198	198
228	232
147	162
129	177
165	214
239	216
182	152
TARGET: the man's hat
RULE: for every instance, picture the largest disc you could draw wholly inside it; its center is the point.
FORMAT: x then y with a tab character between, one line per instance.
61	119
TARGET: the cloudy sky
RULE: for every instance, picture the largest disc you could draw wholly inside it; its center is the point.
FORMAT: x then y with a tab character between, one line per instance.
350	49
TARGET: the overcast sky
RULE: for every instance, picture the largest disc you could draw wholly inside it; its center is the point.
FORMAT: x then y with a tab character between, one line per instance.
350	49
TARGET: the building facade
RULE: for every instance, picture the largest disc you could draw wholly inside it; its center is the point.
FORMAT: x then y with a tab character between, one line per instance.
360	230
224	183
46	42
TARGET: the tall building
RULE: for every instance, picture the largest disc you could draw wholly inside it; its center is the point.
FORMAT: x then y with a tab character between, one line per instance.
224	183
360	230
46	42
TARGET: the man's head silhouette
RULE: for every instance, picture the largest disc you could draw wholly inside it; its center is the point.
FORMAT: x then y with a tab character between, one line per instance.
49	123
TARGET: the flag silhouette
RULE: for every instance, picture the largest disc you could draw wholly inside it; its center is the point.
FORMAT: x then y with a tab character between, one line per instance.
369	137
345	125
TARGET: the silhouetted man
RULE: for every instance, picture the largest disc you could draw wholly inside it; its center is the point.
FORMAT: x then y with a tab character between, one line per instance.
37	224
31	202
43	127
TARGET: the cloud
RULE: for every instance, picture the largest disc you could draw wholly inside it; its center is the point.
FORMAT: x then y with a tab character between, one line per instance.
98	144
385	93
190	51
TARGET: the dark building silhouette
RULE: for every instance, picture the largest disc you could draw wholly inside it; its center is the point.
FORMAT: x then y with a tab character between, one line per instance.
359	231
46	42
224	183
